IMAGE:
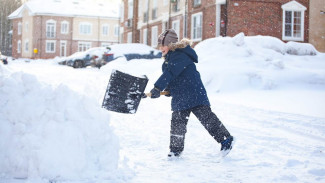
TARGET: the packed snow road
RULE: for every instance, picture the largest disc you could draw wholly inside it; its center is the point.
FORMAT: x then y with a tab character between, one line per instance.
271	146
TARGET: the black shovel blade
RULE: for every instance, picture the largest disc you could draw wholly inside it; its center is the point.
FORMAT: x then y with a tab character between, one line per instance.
123	93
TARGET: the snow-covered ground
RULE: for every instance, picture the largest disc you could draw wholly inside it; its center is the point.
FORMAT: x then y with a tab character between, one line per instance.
53	129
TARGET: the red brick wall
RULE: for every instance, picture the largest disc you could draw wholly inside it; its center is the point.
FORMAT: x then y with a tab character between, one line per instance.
259	17
15	38
208	9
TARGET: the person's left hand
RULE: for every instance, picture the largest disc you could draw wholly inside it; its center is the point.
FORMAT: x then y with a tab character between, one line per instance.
155	93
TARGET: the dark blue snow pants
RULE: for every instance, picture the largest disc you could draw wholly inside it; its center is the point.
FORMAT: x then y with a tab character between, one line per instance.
207	118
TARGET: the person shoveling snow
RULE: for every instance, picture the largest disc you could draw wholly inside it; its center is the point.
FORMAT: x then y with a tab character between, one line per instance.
181	78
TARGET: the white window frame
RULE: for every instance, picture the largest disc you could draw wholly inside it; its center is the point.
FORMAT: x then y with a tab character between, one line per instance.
176	27
50	28
19	46
64	27
145	36
122	12
85	28
105	45
105	29
293	7
26	27
116	30
130	9
129	37
19	28
83	46
197	30
48	46
196	3
154	36
26	46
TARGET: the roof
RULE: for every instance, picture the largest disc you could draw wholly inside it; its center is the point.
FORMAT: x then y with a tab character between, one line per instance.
69	8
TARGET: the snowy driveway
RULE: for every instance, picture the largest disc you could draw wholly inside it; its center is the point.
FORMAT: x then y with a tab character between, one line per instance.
271	146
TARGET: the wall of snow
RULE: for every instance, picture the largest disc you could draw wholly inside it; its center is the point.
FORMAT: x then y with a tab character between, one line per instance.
52	133
259	62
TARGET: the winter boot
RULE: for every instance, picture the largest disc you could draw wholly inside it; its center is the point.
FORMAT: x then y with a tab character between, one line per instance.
226	145
174	154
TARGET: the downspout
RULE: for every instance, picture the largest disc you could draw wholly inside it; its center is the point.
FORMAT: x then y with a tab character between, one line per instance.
98	39
185	18
148	22
226	18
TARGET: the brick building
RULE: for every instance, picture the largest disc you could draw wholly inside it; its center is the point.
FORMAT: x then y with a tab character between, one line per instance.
288	20
50	28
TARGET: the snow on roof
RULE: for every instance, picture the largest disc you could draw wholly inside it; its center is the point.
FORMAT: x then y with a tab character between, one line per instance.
71	8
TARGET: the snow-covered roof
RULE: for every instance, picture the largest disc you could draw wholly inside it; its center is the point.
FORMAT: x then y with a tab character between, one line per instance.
70	8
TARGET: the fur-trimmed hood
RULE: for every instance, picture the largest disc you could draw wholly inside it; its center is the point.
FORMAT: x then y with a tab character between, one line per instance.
180	44
184	46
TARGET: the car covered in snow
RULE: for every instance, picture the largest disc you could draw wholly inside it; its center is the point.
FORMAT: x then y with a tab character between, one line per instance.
96	57
134	51
99	56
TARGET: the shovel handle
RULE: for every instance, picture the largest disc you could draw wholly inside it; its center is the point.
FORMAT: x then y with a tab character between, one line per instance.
161	93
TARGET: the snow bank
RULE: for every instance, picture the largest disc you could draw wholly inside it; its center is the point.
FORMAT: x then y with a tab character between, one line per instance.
258	62
295	48
52	133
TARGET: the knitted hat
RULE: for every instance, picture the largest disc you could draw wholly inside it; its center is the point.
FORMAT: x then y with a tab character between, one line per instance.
167	37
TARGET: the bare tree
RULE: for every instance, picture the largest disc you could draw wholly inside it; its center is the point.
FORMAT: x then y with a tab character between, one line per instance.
6	8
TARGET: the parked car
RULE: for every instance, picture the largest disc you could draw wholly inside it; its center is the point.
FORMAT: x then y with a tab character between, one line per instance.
100	56
95	57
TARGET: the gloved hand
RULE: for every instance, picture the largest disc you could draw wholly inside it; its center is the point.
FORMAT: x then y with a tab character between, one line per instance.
168	95
155	93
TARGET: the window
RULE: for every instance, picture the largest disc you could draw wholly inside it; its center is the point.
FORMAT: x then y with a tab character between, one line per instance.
176	6
122	12
85	28
26	27
19	28
196	3
105	30
19	47
154	36
116	30
26	45
154	9
64	27
130	9
165	2
83	46
196	28
129	38
145	36
293	21
175	26
50	28
50	46
106	45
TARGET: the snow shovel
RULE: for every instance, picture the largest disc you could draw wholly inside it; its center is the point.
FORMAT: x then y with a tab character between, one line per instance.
124	92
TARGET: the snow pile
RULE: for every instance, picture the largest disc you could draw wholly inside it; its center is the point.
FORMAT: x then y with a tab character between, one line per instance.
52	133
295	48
258	62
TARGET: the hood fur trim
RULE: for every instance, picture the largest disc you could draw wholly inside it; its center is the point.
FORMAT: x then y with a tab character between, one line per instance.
180	44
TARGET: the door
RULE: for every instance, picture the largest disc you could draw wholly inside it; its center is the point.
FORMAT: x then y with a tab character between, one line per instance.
63	48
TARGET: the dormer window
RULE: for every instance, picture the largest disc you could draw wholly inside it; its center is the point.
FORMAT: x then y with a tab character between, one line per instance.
293	21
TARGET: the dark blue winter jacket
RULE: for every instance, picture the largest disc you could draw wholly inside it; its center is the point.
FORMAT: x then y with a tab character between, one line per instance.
182	79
